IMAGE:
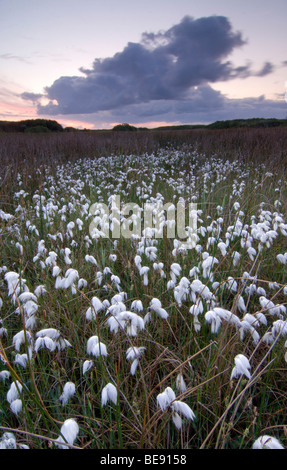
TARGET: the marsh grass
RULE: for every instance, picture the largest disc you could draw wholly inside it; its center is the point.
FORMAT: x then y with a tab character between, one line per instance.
219	168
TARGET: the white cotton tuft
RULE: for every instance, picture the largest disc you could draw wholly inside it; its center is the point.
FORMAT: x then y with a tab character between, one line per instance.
165	398
21	338
14	391
56	271
132	322
134	366
109	393
95	347
40	290
156	306
21	360
8	441
175	270
16	406
214	319
144	272
134	352
137	306
267	442
183	408
180	383
177	420
91	259
4	375
87	366
69	432
242	367
50	332
96	306
44	342
241	304
68	391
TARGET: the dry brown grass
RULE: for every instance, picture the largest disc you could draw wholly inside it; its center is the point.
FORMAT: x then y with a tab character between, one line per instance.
261	144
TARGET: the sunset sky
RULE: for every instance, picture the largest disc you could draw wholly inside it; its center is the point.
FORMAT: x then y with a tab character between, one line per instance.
93	64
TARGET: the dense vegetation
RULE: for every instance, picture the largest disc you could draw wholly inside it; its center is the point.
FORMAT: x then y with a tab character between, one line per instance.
141	342
46	125
31	125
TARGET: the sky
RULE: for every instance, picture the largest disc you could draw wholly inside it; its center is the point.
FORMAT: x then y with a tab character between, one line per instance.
93	63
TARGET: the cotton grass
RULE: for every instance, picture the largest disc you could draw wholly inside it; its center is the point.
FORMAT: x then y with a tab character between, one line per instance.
141	342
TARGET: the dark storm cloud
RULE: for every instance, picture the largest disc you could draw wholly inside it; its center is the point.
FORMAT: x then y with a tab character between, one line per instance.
31	96
203	105
163	66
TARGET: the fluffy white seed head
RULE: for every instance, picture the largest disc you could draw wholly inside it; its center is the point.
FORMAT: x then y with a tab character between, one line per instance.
16	406
8	441
109	393
95	347
177	420
21	338
183	408
242	367
14	391
267	442
87	366
68	392
69	432
165	398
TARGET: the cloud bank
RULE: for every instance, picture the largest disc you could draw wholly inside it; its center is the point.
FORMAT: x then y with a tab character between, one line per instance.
166	75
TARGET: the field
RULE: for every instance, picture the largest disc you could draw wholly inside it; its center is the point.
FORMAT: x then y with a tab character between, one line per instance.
115	333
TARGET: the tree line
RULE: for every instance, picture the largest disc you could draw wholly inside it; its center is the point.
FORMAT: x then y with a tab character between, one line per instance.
47	125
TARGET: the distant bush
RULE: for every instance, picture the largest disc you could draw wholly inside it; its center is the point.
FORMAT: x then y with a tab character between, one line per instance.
71	129
124	127
46	125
